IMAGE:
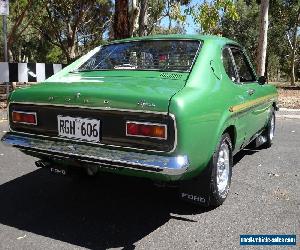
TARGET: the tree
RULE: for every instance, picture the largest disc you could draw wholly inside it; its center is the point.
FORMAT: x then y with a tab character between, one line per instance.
121	26
22	15
283	34
263	34
244	29
142	17
293	46
209	15
282	23
143	20
64	22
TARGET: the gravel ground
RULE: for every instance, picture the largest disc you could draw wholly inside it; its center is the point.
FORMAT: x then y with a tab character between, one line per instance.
43	211
289	98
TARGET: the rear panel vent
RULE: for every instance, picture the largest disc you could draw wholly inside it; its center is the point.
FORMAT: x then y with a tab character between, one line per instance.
173	76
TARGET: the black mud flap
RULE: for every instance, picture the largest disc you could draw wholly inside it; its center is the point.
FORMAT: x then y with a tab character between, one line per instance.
197	190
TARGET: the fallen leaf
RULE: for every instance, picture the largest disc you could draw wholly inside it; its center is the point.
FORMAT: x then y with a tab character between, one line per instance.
272	174
21	237
281	194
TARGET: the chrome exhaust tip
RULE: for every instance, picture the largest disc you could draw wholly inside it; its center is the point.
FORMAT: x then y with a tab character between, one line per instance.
41	164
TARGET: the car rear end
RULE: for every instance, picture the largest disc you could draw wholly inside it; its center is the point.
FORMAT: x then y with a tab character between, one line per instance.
109	139
107	119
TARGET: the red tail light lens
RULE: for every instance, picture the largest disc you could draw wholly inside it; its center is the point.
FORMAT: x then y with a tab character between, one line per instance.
24	117
151	130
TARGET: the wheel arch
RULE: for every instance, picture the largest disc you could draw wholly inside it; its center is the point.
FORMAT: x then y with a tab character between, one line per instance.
274	105
231	130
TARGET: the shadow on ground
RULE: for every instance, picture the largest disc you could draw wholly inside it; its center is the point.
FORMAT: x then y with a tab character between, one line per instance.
107	212
240	155
104	213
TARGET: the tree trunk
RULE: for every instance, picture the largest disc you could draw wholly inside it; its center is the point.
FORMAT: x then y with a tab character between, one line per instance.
133	13
143	18
294	47
121	25
14	30
263	36
71	45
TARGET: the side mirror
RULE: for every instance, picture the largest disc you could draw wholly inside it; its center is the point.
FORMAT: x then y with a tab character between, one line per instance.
262	80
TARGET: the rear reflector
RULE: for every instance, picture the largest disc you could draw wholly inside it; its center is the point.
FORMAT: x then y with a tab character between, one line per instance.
151	130
24	117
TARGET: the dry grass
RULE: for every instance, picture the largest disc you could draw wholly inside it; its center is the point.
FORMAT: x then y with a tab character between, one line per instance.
289	98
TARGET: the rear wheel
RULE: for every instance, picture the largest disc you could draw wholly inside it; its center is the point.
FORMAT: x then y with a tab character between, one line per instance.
269	131
211	187
221	171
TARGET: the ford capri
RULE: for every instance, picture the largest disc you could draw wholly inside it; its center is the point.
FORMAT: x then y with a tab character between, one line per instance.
174	109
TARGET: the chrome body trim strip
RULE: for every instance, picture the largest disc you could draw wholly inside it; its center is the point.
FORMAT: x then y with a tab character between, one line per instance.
167	165
99	108
87	107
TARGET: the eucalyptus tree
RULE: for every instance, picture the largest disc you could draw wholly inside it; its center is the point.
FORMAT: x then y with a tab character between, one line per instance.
143	17
69	24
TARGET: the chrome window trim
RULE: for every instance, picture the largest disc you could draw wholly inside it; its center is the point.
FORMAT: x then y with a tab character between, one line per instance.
153	39
148	123
99	108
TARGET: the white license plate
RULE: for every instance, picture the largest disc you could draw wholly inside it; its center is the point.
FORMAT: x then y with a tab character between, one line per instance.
79	128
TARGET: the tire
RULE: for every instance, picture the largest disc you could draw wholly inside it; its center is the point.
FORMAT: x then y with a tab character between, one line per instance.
221	165
269	131
211	186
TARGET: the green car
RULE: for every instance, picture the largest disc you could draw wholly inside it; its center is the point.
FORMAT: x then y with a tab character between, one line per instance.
174	109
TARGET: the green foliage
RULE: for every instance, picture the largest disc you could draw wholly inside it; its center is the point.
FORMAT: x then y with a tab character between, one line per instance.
282	19
166	9
208	15
245	29
60	31
166	31
55	30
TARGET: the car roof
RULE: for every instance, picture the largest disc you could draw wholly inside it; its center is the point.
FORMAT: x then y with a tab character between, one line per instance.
178	37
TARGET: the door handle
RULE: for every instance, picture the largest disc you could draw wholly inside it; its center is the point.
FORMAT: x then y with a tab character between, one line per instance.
251	91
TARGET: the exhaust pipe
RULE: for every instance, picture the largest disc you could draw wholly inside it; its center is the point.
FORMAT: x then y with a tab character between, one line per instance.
42	164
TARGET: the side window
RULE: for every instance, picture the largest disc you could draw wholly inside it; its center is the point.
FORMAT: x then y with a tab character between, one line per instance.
243	68
228	64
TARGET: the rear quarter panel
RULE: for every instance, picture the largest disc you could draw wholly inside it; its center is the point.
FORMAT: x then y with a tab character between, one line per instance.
202	108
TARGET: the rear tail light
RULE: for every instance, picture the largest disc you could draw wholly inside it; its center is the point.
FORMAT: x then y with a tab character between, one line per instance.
24	117
151	130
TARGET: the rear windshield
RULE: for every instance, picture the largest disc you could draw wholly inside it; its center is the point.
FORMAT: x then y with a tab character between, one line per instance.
162	55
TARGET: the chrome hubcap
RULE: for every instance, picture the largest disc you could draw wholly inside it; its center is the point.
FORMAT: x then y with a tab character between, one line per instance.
223	169
272	127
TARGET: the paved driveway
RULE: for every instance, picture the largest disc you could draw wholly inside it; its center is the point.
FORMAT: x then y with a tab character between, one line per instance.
43	211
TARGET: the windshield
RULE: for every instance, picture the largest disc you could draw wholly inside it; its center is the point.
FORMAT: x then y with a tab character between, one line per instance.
162	55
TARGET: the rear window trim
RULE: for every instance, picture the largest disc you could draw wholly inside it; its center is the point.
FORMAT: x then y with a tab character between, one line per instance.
154	70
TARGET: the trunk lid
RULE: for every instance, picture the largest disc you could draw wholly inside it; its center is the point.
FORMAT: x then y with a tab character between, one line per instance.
133	90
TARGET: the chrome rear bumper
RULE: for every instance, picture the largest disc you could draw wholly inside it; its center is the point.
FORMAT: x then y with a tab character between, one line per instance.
45	147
